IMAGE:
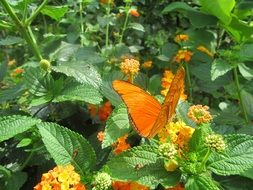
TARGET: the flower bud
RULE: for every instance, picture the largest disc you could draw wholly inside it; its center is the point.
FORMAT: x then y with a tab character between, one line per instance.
102	181
171	165
167	150
215	142
45	64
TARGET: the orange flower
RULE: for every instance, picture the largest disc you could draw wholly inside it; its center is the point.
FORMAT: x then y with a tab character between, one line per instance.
134	13
61	177
205	50
199	114
101	136
181	38
166	83
17	72
104	111
92	110
121	145
121	185
130	67
147	64
179	186
183	55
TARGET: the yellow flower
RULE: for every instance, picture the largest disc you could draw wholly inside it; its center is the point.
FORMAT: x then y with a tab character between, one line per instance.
176	132
166	83
12	62
60	178
147	64
205	50
183	55
181	38
199	114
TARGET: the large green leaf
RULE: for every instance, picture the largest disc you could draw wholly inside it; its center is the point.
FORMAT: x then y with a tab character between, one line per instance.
15	124
200	183
219	68
237	157
219	8
15	181
247	100
79	92
141	164
81	71
117	125
245	52
245	71
65	52
12	93
177	6
55	12
10	40
66	146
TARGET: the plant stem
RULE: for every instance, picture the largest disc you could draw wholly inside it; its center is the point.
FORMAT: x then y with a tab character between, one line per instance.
35	13
81	21
108	9
203	163
237	83
189	85
125	23
26	160
22	29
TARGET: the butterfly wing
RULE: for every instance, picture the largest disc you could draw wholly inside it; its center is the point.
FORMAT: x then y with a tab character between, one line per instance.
142	107
170	102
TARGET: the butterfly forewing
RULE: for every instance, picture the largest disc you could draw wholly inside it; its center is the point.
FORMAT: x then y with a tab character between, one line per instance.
142	107
170	102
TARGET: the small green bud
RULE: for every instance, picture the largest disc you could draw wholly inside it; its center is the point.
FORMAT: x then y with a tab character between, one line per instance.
45	64
167	150
215	142
171	165
102	181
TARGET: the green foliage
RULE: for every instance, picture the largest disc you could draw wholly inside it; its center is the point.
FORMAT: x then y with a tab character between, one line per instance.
55	12
66	146
12	125
201	182
15	181
219	68
81	71
141	164
237	157
117	125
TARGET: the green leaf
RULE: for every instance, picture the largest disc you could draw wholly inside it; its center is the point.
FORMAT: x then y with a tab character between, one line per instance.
107	89
245	52
16	181
237	157
219	8
3	70
239	30
24	142
248	173
117	125
200	183
81	71
247	100
199	19
154	84
181	113
65	52
245	71
219	68
79	92
141	164
10	126
12	93
55	12
177	6
10	40
89	55
136	26
66	146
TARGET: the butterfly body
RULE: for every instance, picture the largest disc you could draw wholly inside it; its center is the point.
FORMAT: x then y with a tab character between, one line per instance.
146	113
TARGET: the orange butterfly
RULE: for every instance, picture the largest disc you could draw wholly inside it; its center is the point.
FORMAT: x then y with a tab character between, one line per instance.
147	114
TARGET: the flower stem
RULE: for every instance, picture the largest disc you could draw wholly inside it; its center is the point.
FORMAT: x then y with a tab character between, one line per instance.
203	163
237	83
108	9
125	23
22	29
81	21
189	84
27	160
35	13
